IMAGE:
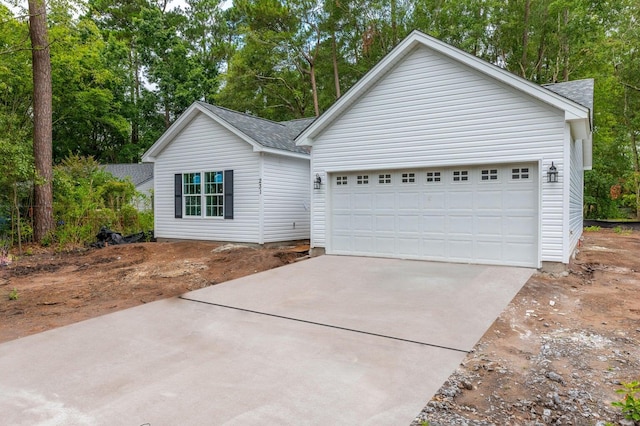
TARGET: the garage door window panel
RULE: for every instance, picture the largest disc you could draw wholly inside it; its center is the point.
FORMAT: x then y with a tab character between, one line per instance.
488	175
341	180
408	178
384	179
520	173
460	176
434	177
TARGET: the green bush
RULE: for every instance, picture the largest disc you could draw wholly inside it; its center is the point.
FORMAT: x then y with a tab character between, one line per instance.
87	198
630	405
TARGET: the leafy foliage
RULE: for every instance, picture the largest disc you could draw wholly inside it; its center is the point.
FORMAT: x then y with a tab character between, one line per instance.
630	405
87	198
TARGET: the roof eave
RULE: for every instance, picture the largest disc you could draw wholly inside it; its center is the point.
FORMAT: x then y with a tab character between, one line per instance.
284	153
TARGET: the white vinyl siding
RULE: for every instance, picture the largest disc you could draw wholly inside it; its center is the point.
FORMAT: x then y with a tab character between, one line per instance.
285	197
576	191
429	112
203	145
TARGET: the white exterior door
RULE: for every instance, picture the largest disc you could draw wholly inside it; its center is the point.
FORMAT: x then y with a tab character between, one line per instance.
480	214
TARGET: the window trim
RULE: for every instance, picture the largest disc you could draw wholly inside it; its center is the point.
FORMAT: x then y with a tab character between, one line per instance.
202	195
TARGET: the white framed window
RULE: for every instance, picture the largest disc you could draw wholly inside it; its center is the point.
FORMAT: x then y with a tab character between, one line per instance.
214	194
521	173
208	193
384	178
460	175
434	177
362	180
408	178
192	190
341	180
488	175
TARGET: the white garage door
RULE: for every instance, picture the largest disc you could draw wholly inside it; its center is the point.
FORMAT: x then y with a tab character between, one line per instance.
484	214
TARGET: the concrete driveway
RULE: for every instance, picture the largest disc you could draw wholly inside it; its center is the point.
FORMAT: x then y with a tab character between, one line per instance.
330	340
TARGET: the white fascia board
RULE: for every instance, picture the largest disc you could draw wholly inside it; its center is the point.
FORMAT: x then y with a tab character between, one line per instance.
571	108
282	152
155	149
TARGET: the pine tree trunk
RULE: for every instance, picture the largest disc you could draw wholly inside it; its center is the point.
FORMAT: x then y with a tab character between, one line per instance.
565	47
525	38
336	75
314	88
42	120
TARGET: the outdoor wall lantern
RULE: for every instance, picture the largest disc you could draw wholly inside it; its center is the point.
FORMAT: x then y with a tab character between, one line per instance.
552	174
317	182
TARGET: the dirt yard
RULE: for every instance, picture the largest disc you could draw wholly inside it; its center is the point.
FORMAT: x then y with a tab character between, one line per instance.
56	289
556	354
559	351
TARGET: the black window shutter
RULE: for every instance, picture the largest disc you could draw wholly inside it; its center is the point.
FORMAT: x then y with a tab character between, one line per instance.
178	195
228	194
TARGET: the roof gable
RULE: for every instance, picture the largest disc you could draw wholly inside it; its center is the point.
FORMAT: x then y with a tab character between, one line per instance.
575	113
264	135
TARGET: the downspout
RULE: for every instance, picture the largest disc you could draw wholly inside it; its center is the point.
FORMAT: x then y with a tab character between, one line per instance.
566	194
261	199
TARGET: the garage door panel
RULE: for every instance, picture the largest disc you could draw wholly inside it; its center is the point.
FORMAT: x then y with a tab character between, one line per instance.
341	223
460	224
460	250
524	225
489	200
489	250
384	245
409	223
460	200
517	252
343	243
408	201
434	248
385	201
362	222
434	223
409	246
362	201
488	225
492	221
434	200
519	199
341	200
362	244
385	222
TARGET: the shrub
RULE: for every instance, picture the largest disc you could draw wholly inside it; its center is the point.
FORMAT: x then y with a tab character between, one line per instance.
630	405
87	198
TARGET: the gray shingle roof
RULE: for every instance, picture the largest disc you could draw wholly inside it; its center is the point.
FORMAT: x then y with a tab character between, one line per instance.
138	173
580	91
267	133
